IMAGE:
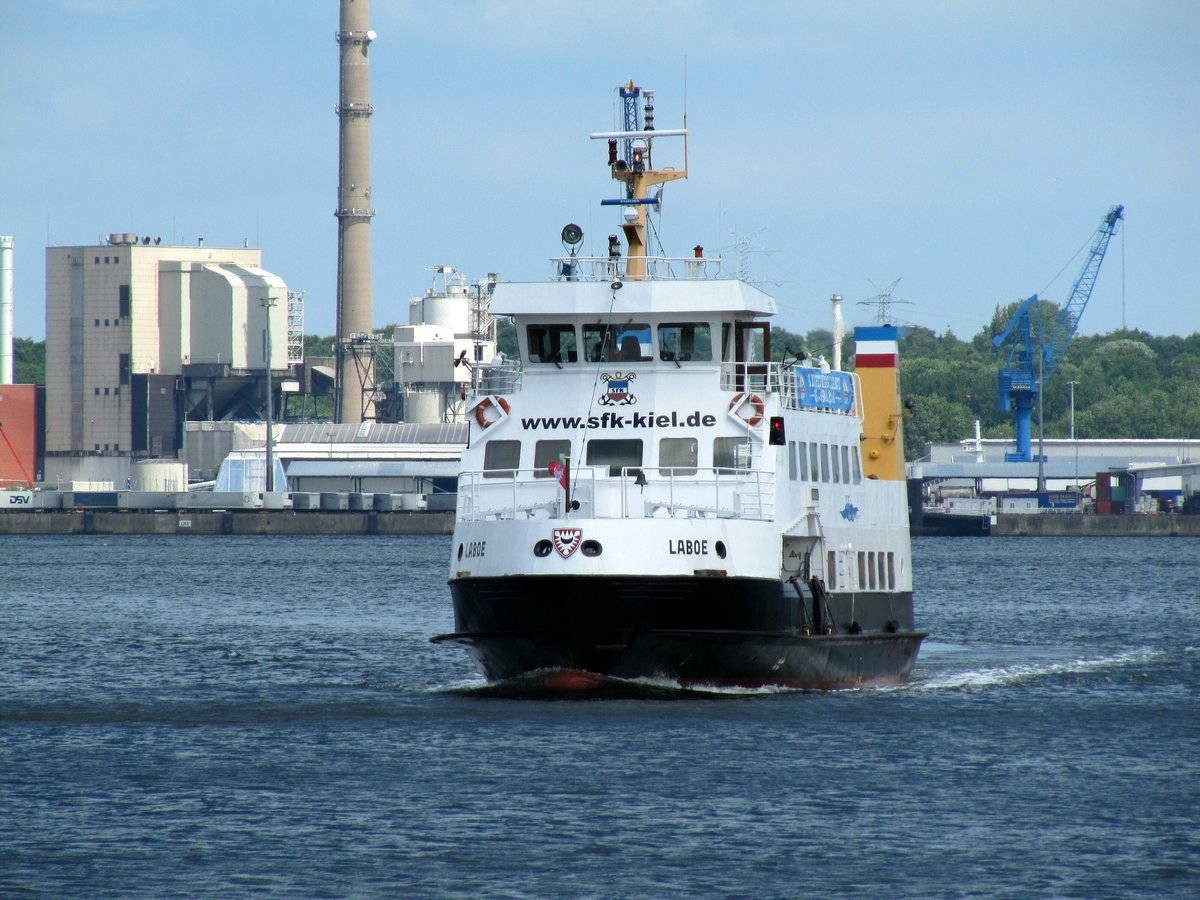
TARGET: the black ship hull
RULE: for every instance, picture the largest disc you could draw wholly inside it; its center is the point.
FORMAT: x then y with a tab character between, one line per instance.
694	631
939	524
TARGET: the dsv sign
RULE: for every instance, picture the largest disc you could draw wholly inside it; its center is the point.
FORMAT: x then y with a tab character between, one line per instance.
23	498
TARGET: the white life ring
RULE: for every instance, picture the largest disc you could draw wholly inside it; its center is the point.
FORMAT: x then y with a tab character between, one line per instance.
748	407
489	404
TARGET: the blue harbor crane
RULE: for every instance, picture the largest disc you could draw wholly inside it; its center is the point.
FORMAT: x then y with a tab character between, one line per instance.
1034	356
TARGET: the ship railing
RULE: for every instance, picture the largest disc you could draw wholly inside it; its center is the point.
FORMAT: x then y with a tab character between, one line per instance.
658	268
691	493
516	494
636	492
491	378
780	378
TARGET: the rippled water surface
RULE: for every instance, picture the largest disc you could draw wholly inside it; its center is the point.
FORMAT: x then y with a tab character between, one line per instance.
206	716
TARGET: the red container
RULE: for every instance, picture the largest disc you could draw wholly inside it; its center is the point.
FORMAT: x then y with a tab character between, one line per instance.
21	410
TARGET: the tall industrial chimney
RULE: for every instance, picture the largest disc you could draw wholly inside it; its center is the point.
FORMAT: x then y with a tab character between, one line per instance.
6	310
838	330
355	360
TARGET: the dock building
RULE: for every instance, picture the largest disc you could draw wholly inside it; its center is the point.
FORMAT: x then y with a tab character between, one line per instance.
142	336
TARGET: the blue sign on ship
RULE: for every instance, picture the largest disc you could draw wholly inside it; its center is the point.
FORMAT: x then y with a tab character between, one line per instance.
824	390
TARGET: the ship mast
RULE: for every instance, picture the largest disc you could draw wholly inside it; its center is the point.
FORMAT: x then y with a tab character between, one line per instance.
636	170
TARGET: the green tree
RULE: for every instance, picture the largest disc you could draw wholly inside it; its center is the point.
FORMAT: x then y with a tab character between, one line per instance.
315	345
934	420
29	361
506	338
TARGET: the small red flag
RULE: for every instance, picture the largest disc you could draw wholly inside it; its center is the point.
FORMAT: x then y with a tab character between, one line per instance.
559	471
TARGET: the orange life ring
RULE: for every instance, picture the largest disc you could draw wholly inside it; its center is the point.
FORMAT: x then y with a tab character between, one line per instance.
489	403
738	405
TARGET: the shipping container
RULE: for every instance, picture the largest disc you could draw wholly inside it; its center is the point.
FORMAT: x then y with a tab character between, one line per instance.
22	414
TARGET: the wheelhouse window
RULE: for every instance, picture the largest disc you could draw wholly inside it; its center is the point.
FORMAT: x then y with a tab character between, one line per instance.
745	342
685	342
731	453
546	452
616	454
615	342
678	456
552	343
501	459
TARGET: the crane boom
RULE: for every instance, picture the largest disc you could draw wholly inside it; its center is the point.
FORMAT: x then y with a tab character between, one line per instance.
1019	382
1068	319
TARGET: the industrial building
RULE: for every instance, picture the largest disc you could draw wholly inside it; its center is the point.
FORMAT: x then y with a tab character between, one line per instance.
450	332
1108	476
142	336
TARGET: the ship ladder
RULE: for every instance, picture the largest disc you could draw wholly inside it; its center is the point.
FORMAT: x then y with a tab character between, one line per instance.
795	583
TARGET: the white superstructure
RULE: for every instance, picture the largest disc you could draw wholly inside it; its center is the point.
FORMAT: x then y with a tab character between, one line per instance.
647	492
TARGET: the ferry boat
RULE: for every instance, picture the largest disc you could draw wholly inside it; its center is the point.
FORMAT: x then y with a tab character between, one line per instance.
646	494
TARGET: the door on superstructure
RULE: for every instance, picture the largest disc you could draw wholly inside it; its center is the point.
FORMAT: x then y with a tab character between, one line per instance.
751	354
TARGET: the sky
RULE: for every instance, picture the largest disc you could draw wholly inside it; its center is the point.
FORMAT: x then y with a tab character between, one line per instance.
969	149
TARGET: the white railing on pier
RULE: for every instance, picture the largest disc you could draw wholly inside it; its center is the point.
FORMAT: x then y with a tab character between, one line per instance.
637	493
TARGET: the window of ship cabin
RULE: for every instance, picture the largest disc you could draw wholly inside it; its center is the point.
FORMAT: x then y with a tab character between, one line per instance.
854	462
824	462
616	342
546	452
552	343
835	473
792	460
882	560
862	569
731	453
871	568
891	570
803	454
501	459
684	342
616	454
678	456
813	469
831	570
748	342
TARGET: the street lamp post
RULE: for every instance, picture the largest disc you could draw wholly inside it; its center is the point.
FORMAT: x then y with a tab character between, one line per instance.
1041	481
1072	384
267	302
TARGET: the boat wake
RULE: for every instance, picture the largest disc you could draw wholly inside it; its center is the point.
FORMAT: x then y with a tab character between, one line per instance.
573	684
1025	672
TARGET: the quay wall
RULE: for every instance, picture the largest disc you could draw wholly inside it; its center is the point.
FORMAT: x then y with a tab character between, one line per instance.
236	521
1168	525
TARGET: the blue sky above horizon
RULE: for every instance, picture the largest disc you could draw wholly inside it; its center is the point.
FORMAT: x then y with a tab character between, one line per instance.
969	149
